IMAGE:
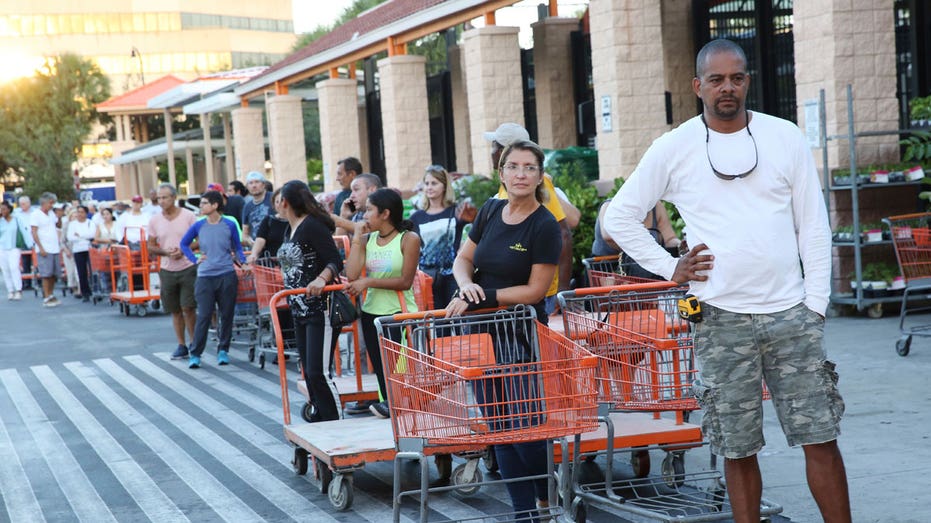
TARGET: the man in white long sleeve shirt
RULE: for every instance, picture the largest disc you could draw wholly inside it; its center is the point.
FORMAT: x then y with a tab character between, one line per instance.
746	186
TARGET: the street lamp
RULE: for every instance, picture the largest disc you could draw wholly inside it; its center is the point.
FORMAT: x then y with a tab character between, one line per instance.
134	53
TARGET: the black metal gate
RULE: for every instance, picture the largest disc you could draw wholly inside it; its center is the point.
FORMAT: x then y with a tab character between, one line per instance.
530	93
583	88
763	28
913	53
373	120
442	132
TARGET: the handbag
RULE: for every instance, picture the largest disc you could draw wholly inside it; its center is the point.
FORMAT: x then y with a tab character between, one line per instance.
341	310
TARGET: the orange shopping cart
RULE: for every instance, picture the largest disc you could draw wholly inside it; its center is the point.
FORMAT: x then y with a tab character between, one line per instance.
131	273
911	237
645	367
482	379
267	281
101	281
246	314
605	271
338	448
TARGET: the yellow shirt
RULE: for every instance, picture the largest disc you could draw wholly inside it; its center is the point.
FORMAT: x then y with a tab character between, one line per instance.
553	206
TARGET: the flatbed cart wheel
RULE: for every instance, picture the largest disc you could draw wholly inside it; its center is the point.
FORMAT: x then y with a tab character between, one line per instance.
674	469
466	485
490	460
340	491
579	512
308	411
444	465
903	345
251	354
324	475
640	463
124	308
300	461
262	360
141	310
875	311
156	305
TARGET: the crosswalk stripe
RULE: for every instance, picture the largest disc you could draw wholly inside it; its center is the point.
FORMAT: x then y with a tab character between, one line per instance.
71	479
186	467
136	481
18	496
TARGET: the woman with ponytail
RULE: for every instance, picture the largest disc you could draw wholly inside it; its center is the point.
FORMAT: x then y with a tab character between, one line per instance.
309	259
385	246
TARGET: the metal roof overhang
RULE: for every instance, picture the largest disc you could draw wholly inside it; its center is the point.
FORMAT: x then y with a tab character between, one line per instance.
420	24
186	93
160	150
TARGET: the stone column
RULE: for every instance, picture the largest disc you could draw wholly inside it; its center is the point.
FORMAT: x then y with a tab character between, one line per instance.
208	148
495	95
627	65
228	162
169	143
461	131
839	43
286	135
405	119
552	63
248	141
339	125
679	58
192	185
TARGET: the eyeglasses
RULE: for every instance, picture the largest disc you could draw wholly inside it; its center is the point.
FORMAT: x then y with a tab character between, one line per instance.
731	177
513	168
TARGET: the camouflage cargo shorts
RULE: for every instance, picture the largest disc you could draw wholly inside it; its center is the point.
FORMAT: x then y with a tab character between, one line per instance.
735	352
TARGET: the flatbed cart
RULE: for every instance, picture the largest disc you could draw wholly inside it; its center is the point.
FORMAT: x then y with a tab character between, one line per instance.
133	286
340	447
484	378
101	277
646	365
605	271
911	238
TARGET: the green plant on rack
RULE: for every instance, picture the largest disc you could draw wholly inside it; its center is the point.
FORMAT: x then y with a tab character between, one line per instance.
920	108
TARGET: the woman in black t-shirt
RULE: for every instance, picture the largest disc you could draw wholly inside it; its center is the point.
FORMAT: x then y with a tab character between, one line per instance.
309	259
270	234
440	233
510	258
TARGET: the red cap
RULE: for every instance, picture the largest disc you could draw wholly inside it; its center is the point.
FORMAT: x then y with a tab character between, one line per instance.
215	187
137	198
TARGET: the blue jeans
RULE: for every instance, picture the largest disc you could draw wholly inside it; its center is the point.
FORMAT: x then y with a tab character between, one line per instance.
214	292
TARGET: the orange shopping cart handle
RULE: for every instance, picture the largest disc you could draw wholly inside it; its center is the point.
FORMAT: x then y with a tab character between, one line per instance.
632	287
278	296
439	313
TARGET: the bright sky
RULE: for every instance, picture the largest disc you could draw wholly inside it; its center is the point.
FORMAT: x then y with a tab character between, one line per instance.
308	14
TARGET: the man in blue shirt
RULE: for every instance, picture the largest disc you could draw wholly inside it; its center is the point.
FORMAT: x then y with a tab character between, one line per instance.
217	283
256	208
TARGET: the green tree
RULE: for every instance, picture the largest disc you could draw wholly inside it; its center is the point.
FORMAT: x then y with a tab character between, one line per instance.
354	10
45	118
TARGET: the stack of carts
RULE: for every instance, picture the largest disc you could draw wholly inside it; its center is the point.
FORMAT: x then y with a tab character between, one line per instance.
605	271
132	272
645	367
267	280
246	316
101	277
911	236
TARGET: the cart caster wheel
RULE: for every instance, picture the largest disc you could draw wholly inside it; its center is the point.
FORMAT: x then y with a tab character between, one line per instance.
875	311
640	462
141	311
262	360
324	475
156	305
340	492
716	498
300	461
491	461
579	512
444	465
124	309
251	354
308	412
903	345
466	486
674	470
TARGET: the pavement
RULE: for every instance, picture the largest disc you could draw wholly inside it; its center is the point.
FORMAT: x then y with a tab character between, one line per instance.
885	439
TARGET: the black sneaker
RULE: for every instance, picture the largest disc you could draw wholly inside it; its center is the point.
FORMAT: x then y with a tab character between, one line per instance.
359	407
380	409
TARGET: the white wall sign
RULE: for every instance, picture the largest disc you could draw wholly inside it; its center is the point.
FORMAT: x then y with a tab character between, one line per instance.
813	122
606	113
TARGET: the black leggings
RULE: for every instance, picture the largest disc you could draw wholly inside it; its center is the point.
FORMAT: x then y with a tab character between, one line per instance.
315	360
82	264
370	335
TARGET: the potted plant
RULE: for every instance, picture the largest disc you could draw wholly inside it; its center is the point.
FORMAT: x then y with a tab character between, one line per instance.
844	234
873	232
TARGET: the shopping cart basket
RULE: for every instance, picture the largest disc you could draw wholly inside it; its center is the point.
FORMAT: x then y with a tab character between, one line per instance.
911	237
246	315
605	271
646	363
101	279
131	271
267	280
482	379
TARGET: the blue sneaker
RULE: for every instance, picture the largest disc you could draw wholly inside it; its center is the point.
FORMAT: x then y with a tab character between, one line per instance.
223	358
193	362
180	353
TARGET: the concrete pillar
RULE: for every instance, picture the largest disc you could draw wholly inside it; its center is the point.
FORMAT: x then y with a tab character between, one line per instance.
208	148
118	125
339	125
461	131
840	43
627	65
153	177
127	128
192	187
248	141
405	119
286	139
228	163
679	58
495	95
552	66
363	138
169	143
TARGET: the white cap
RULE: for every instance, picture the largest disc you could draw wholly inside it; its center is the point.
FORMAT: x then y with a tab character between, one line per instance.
508	133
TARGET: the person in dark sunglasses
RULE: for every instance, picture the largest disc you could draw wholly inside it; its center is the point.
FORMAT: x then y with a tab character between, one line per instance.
746	186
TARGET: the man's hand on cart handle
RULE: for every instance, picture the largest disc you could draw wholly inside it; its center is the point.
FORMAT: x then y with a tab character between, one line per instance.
691	263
